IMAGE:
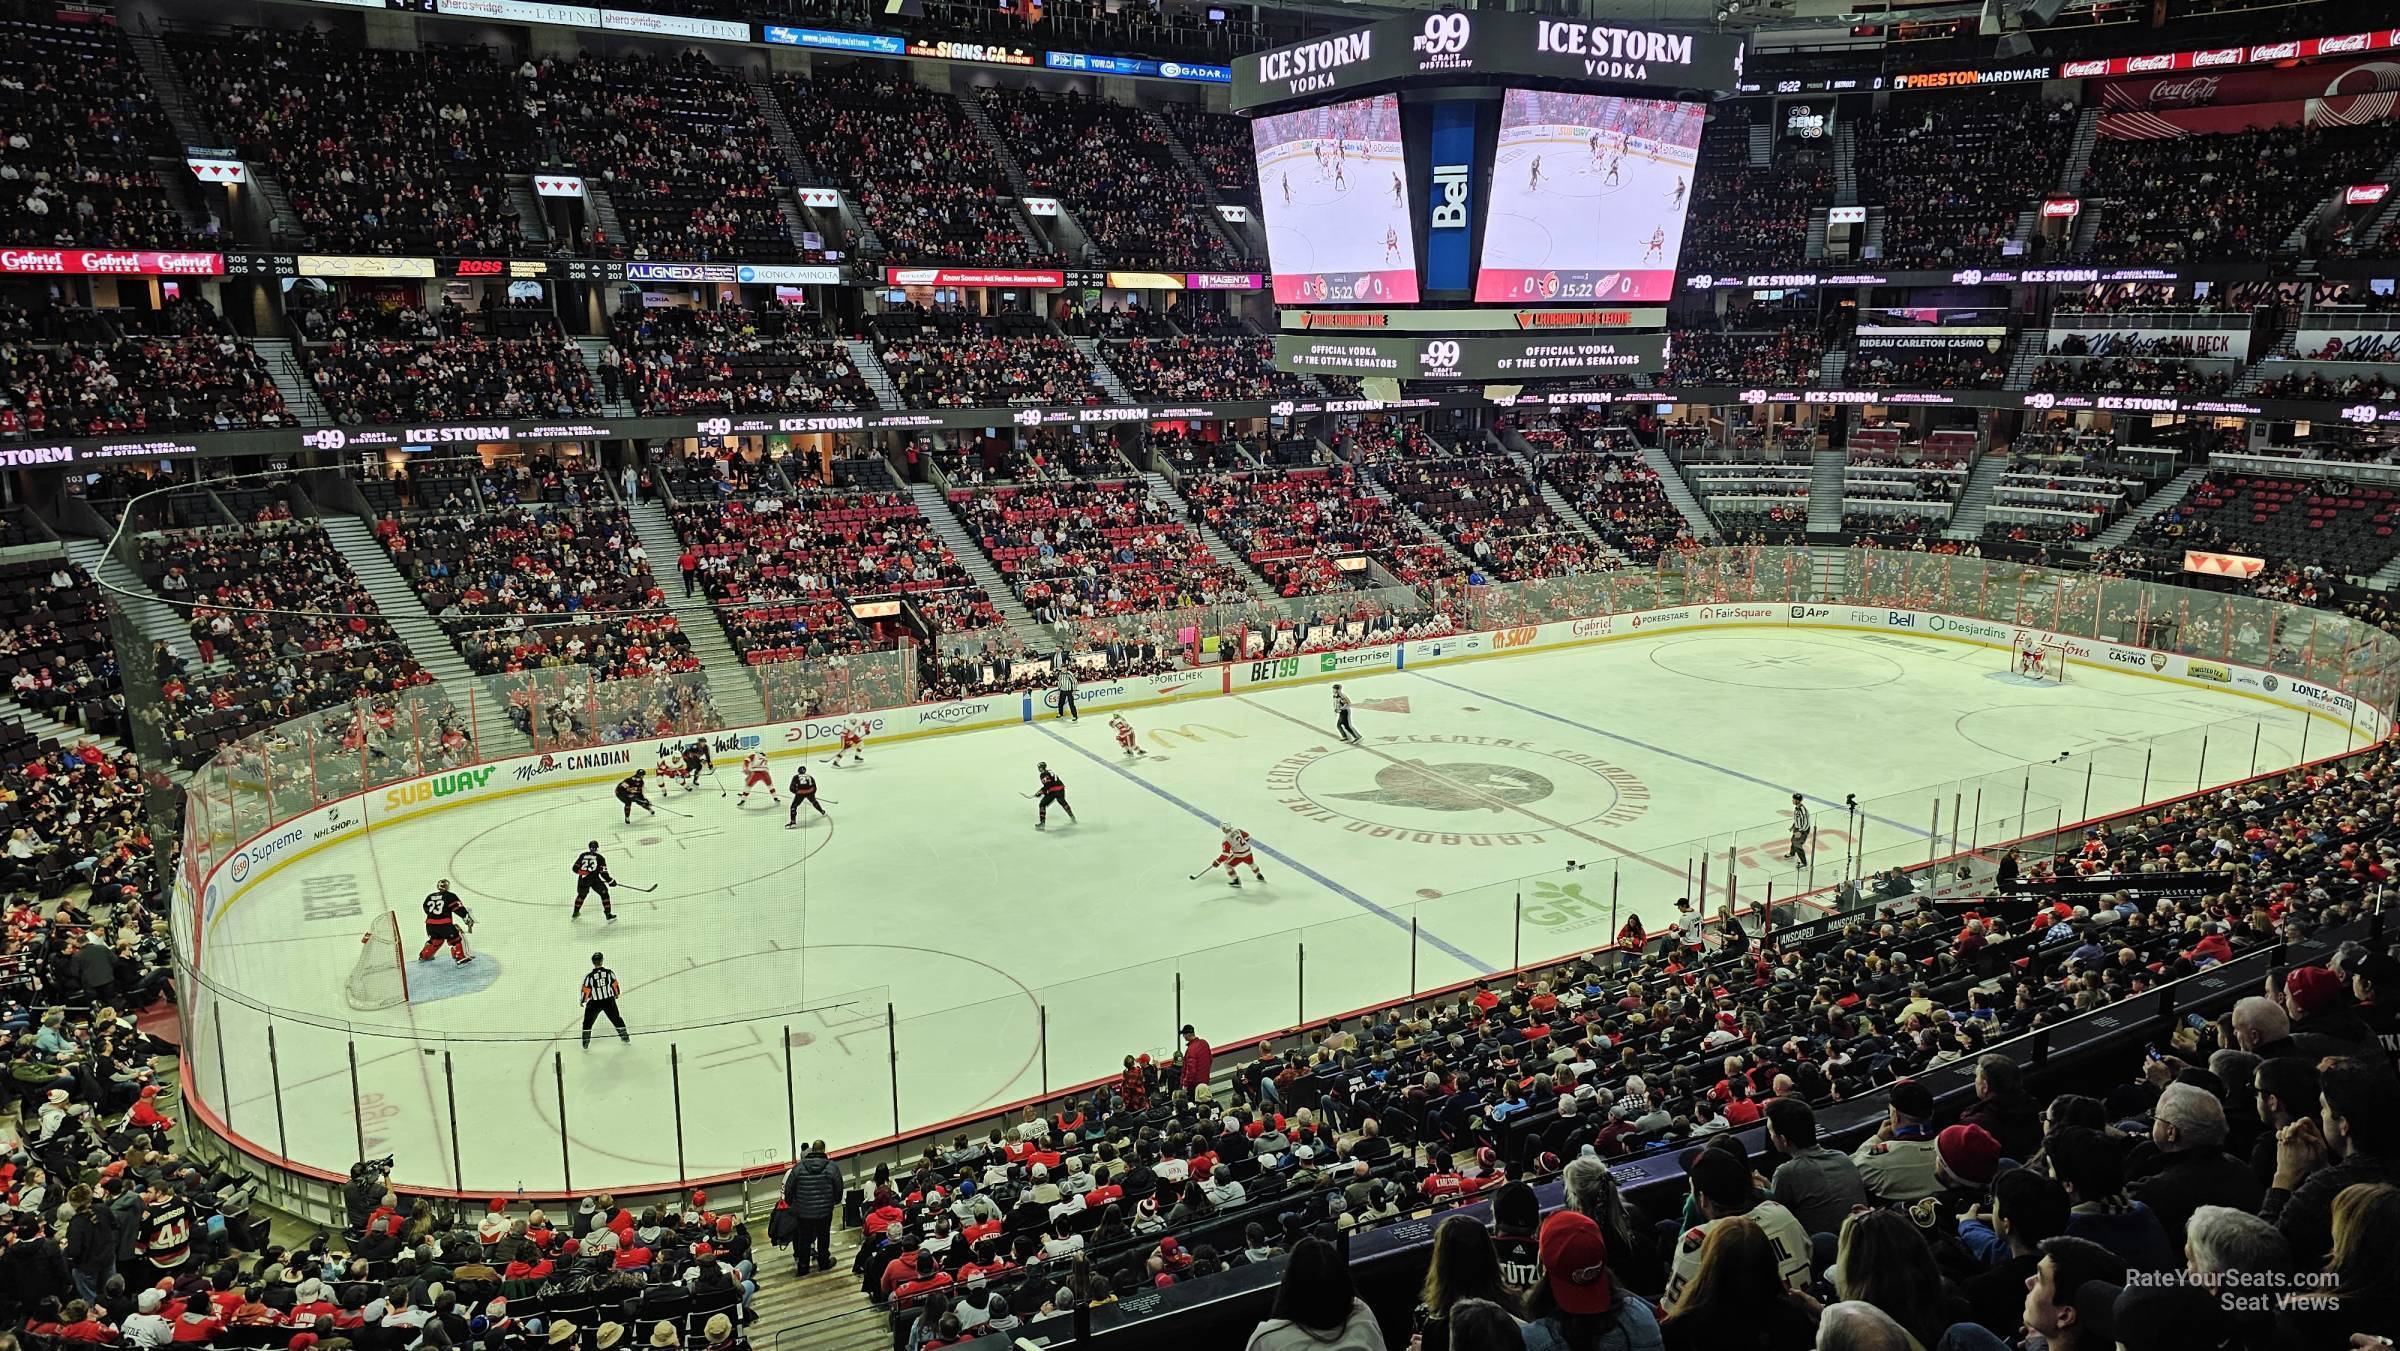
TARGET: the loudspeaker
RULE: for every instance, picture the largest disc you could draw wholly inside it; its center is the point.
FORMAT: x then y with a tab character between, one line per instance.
2012	47
2040	13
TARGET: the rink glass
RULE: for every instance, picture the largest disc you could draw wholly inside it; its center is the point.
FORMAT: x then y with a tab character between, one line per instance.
303	1094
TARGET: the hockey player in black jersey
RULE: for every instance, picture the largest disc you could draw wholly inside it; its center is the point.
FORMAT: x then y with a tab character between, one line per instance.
1053	794
443	914
592	879
634	791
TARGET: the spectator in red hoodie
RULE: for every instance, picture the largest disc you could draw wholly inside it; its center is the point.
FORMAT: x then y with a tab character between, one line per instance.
1196	1059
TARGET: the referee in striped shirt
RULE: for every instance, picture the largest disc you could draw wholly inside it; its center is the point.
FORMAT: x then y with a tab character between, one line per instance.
599	997
1801	826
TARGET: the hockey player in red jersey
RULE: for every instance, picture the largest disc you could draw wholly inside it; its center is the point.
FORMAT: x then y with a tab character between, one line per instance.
1124	731
854	735
443	914
755	775
1235	853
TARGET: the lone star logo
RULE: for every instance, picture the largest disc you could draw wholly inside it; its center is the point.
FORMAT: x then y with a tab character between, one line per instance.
1467	786
1452	789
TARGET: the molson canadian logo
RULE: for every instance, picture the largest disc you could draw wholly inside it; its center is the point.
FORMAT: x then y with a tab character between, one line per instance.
439	786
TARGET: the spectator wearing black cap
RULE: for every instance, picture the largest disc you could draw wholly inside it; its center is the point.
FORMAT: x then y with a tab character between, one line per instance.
2375	983
1897	1164
2086	1164
2027	1210
1516	1225
1722	1188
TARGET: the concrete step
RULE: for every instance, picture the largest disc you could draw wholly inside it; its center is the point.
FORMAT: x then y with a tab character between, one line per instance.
870	369
1825	489
1019	621
1679	494
1252	580
426	639
532	220
2178	488
589	347
281	357
1975	497
1102	372
47	728
153	617
731	684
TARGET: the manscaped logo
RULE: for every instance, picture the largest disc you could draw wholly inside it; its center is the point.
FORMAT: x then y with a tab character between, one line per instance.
440	785
2209	671
1456	789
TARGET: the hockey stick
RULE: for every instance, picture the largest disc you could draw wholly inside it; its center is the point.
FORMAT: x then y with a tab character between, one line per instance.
631	887
1202	873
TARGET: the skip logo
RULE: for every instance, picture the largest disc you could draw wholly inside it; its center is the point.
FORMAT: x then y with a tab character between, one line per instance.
1449	193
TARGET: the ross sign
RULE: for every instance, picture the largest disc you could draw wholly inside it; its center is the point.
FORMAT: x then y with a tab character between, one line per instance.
109	263
558	185
832	40
1142	68
1483	44
1410	358
216	169
974	276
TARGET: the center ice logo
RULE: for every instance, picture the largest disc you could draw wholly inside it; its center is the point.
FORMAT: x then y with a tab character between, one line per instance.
1466	786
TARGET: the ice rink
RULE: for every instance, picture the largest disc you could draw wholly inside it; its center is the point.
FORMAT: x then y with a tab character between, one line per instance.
1012	958
1609	221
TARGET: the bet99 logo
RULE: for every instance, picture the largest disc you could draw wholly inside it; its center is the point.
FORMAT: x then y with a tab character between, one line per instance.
1444	35
1440	357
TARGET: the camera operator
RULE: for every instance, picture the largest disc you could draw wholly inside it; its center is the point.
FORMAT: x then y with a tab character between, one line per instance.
364	1192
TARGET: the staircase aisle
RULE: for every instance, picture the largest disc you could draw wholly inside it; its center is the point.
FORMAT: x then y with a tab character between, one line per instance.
2178	488
730	683
157	620
1827	482
589	347
1966	518
870	369
282	359
397	601
1252	579
935	508
1102	373
1670	481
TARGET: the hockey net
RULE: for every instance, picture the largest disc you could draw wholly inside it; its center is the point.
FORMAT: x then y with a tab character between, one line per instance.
2038	659
379	978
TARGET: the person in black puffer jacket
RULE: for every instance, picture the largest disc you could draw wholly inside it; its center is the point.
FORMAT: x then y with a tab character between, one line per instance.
812	1189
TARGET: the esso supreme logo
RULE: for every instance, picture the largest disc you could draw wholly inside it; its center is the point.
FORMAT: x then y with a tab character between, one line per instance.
1440	354
1444	35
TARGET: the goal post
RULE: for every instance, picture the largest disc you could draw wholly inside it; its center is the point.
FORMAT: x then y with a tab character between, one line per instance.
2038	659
379	977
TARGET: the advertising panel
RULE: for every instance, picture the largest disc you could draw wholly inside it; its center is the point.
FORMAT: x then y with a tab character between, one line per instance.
1589	194
110	263
1333	191
1473	357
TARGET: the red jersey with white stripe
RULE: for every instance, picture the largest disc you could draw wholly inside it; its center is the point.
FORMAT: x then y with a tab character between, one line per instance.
1236	848
754	769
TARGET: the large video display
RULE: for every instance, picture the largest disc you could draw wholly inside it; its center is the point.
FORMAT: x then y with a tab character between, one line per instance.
1588	197
1333	184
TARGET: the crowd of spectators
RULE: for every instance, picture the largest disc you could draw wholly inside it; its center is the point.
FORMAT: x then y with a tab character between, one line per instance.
2132	375
1952	174
1114	169
728	358
212	382
1295	525
1785	356
1223	146
82	127
379	149
2323	387
520	587
2233	195
1202	369
55	653
680	145
988	371
1941	368
282	628
1076	550
1743	214
385	380
910	163
1598	467
1486	508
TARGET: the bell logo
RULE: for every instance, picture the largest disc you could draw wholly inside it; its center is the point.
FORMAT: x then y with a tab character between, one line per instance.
1450	193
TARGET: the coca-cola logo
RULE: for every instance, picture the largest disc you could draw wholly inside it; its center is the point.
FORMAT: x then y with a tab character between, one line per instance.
2275	51
2142	63
2222	56
2355	42
2196	89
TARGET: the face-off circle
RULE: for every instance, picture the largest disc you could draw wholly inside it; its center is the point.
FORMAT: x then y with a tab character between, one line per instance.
1445	790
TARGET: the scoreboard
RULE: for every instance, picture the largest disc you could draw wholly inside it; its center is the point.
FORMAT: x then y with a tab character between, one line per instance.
1457	160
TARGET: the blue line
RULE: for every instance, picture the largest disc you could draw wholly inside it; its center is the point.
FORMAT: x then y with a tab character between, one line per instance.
1787	789
1212	818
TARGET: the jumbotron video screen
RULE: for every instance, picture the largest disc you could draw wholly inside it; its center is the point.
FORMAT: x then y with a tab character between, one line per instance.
1588	197
1333	186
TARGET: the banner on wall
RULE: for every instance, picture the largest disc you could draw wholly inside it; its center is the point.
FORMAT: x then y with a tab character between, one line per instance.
2325	344
2195	344
2361	81
2222	565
